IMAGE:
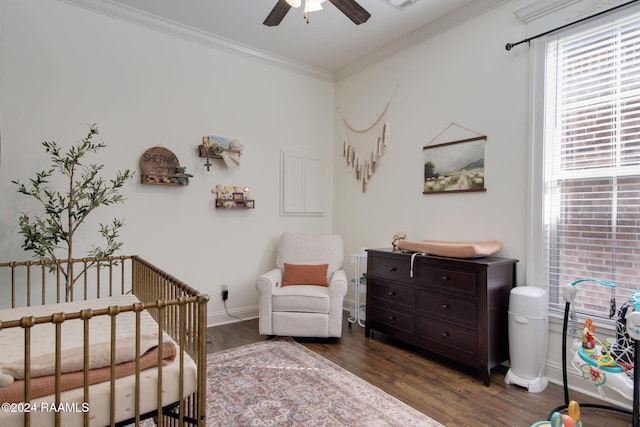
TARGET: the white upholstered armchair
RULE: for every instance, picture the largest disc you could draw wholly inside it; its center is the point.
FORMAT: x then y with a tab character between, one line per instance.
302	296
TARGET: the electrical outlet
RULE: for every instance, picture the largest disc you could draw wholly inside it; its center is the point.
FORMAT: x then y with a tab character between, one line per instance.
224	292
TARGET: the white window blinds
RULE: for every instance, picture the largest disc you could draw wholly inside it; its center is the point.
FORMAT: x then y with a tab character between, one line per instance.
592	162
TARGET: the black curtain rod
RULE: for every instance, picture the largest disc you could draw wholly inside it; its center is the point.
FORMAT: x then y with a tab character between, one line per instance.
509	46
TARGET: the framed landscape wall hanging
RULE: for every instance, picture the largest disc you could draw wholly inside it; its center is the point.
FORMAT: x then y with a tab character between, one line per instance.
455	166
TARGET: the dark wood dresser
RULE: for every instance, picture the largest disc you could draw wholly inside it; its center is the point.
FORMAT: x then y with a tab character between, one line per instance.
456	308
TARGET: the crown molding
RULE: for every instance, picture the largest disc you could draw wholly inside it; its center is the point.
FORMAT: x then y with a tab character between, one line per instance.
450	20
166	26
541	8
541	15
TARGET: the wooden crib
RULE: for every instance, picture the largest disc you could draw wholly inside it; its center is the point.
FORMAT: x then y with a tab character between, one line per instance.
54	342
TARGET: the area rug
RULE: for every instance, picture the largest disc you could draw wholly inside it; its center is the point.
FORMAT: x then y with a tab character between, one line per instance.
282	383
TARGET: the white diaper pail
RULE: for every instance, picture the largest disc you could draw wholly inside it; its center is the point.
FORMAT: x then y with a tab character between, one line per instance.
528	330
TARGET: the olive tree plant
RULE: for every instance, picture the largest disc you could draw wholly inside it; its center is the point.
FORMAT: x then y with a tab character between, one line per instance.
65	208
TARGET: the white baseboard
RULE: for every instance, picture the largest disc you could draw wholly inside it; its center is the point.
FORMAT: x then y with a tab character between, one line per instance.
246	313
222	318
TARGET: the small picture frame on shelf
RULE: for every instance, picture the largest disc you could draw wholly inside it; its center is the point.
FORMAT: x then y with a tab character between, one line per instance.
213	146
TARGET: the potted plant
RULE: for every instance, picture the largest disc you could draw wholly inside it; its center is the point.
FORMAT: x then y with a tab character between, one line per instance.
50	235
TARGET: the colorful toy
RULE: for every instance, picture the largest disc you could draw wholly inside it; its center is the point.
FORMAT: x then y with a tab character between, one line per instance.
588	339
607	366
563	420
595	362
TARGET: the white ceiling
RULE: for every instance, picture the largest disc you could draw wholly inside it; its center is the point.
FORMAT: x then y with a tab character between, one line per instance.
329	42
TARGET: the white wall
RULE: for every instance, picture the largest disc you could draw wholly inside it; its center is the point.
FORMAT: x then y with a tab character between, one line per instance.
70	67
64	67
464	76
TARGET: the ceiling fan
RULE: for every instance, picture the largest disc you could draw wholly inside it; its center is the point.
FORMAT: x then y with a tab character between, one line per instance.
350	8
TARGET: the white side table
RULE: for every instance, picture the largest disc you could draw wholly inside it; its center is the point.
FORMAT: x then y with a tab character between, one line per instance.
359	283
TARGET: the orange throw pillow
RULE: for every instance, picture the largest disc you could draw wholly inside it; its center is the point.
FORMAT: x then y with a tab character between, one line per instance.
303	274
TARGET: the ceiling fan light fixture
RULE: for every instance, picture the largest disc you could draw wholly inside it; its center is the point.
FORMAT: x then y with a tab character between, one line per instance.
350	8
313	5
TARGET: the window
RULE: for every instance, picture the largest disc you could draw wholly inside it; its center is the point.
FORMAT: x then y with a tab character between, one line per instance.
591	192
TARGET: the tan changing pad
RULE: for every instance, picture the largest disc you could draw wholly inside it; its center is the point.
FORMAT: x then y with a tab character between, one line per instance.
452	249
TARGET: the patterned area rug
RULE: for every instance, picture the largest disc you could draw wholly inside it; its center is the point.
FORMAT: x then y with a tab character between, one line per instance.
281	383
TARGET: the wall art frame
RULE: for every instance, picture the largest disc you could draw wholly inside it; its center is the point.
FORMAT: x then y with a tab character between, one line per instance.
455	166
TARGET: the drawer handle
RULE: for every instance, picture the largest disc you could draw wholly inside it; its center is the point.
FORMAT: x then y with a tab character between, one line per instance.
445	306
392	317
393	269
445	278
392	293
445	335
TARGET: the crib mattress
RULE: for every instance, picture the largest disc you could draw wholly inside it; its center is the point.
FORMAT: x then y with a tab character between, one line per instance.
98	406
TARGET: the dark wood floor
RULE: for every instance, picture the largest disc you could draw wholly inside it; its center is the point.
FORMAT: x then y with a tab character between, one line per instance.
451	395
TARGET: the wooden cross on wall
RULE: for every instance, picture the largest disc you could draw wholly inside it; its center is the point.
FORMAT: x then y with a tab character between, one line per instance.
218	191
208	164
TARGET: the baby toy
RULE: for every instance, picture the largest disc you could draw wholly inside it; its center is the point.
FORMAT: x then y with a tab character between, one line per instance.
563	420
609	367
181	176
588	339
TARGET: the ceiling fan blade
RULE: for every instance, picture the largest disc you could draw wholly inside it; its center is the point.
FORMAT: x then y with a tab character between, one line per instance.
277	13
353	10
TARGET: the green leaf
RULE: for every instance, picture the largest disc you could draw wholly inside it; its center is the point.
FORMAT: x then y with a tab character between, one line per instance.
62	212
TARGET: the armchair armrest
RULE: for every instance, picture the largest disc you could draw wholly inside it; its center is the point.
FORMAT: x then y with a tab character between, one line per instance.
265	286
338	285
337	291
269	281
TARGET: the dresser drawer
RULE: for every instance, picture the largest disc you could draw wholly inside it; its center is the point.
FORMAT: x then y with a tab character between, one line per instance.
395	295
448	308
444	336
447	279
456	308
393	268
393	319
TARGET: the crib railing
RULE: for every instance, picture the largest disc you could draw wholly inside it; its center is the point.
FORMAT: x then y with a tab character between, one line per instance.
178	309
185	322
44	282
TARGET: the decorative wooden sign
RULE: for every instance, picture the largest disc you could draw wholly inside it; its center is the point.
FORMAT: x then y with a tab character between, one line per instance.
160	166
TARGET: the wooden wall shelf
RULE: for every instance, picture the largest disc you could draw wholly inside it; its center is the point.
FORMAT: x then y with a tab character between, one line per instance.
235	204
175	180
